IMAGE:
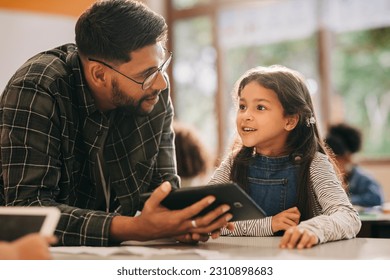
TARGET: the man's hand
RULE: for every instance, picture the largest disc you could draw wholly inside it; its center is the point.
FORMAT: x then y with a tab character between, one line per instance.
196	237
192	238
298	238
156	221
286	219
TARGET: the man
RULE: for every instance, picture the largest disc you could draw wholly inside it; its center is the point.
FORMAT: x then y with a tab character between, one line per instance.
87	128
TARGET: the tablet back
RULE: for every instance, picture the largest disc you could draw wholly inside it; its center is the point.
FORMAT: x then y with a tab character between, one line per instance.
241	205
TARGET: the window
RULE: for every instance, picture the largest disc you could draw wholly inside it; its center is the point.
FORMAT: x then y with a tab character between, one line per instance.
361	71
195	76
341	46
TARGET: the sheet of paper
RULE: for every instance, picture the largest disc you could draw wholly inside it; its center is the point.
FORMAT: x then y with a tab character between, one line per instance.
155	242
141	251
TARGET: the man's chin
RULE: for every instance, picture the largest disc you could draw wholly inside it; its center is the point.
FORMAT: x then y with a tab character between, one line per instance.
143	113
138	111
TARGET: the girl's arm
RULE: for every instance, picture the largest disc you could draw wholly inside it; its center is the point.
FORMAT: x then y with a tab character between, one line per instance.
222	173
335	217
266	226
258	227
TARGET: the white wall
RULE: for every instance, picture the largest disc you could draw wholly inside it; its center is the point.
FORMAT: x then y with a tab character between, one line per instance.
25	34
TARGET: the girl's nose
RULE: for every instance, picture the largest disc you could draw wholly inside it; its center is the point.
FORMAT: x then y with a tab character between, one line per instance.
248	115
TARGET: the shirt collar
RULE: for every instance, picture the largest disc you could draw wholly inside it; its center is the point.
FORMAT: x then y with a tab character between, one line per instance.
86	101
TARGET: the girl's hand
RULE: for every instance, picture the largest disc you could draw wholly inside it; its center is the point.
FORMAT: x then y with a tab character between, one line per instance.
298	238
286	219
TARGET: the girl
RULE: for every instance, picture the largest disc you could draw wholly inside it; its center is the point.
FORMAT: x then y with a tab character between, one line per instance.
283	165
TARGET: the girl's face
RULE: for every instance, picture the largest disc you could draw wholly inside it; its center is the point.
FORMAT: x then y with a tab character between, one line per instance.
261	122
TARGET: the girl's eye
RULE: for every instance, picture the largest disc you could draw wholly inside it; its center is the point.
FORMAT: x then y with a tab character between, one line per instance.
260	107
241	107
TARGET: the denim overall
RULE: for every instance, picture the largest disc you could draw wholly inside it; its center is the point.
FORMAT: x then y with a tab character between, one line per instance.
272	183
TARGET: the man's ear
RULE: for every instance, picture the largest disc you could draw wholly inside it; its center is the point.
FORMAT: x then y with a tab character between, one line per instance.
291	122
97	74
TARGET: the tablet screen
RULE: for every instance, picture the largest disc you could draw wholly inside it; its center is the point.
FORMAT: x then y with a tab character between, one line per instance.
16	226
16	222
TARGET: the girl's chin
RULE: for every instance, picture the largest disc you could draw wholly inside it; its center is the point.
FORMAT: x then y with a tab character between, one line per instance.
248	145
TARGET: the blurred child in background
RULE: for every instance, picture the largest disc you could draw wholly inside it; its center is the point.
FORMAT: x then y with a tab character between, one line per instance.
345	141
193	159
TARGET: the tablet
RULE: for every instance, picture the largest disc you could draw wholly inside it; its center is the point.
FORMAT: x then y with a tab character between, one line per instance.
242	207
16	222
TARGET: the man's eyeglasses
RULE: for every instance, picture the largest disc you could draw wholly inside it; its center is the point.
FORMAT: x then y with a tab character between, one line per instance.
150	79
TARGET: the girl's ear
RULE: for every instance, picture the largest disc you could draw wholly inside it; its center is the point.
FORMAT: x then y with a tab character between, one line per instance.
291	122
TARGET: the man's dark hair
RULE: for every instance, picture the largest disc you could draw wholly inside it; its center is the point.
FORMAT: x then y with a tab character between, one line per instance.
110	30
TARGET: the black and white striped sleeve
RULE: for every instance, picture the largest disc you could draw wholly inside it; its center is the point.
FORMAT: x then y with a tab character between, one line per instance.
335	216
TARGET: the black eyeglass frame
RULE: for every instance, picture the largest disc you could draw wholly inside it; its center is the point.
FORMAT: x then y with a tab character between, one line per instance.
149	80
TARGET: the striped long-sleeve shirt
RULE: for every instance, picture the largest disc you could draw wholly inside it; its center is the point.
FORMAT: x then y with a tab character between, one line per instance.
334	217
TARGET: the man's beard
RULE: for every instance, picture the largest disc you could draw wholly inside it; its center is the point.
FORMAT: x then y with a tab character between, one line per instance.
128	104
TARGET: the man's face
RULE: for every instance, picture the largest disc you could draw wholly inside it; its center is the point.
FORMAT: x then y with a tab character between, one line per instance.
141	106
129	95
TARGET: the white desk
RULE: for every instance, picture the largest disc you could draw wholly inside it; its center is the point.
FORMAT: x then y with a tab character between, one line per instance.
259	248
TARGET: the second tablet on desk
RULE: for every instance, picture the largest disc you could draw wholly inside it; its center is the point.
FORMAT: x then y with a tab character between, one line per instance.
242	207
18	221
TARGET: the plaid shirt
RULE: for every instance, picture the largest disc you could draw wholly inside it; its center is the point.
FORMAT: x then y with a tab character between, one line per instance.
51	132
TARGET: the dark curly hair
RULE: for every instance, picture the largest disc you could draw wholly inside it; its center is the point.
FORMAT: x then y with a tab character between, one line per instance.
344	138
191	155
